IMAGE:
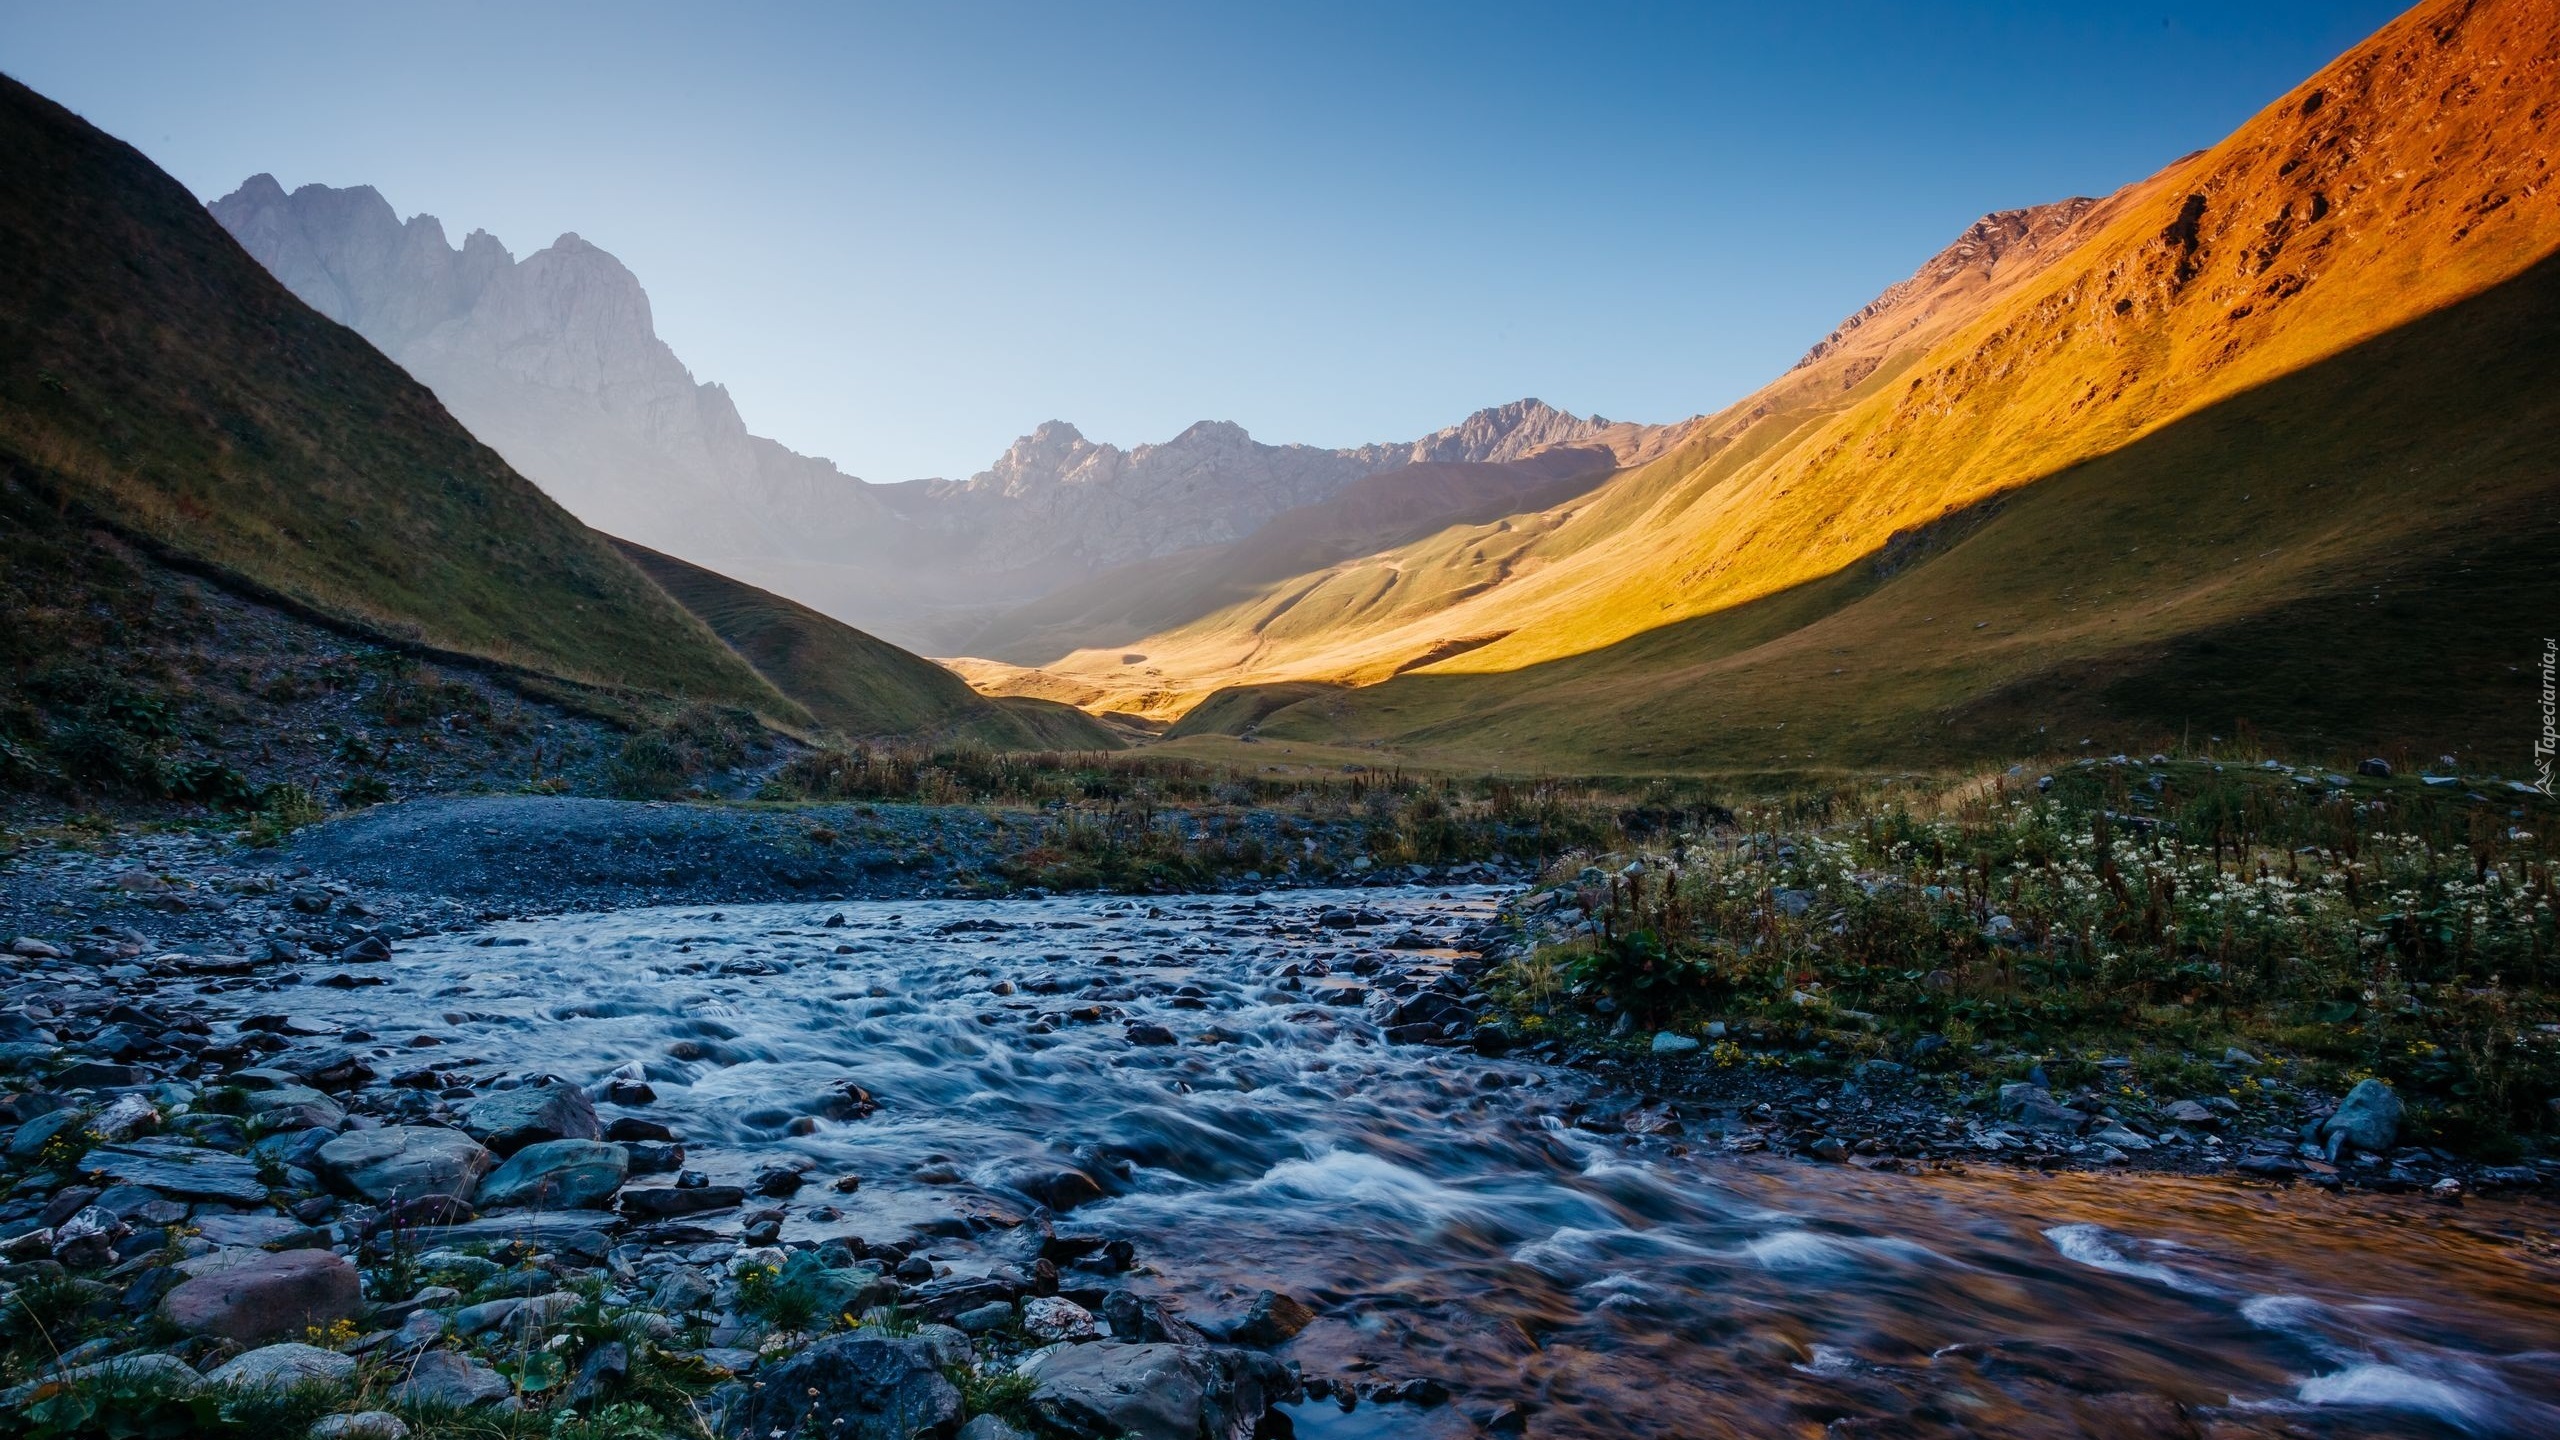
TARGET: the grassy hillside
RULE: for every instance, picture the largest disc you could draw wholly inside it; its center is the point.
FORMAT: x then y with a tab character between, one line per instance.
1390	508
2261	565
2410	176
155	376
853	684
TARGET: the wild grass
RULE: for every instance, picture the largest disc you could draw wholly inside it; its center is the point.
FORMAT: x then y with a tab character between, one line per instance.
2167	909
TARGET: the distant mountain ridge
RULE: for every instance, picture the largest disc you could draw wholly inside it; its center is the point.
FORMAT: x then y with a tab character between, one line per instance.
554	361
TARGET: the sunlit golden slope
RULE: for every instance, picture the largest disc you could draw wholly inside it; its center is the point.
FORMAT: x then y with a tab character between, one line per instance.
2410	174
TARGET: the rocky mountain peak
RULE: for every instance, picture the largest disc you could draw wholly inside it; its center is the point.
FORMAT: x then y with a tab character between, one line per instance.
1506	432
1986	248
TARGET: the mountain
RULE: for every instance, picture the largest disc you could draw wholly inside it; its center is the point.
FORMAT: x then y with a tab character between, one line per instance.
555	362
156	378
1390	507
2265	438
158	385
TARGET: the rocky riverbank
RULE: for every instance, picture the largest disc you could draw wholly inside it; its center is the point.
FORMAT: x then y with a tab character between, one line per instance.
224	1218
244	1198
1751	1085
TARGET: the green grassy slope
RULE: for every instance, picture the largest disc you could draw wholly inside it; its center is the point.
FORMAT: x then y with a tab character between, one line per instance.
2358	555
155	375
852	683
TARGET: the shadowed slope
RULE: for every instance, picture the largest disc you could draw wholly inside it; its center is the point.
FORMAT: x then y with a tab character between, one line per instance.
854	684
153	373
2357	554
2406	176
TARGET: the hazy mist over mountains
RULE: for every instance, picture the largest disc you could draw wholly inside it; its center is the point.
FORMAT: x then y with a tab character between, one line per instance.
553	361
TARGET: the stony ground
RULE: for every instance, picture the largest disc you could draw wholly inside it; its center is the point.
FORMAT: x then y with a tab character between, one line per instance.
204	1202
209	1206
1752	1086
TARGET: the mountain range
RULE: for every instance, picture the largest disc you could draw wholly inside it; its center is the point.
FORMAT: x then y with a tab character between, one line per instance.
160	389
554	361
2266	442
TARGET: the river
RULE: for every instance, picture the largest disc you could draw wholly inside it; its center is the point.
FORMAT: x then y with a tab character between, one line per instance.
1440	1215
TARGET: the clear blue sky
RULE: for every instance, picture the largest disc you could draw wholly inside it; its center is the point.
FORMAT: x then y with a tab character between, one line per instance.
904	235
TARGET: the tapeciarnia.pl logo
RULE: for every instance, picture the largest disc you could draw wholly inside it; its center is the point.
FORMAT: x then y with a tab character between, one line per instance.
2548	742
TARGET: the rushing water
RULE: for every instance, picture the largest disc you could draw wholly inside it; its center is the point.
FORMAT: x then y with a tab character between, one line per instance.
1445	1221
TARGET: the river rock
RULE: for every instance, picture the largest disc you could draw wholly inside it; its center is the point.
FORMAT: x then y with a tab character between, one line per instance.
2034	1107
295	1107
265	1297
855	1387
2188	1112
404	1162
1156	1392
253	1231
1667	1042
175	1168
2368	1119
557	1175
441	1378
508	1120
158	1372
657	1202
2119	1136
1275	1319
1051	1318
33	1136
1145	1319
362	1425
286	1367
988	1427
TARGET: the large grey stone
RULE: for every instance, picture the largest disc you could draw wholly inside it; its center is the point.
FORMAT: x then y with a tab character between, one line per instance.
404	1162
1157	1392
173	1167
2369	1118
159	1372
33	1136
558	1175
289	1366
658	1202
295	1107
508	1120
443	1378
266	1297
362	1425
855	1387
250	1230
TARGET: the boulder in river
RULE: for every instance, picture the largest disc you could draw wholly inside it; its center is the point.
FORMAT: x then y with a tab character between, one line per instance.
1275	1319
1048	1318
1156	1392
2368	1119
508	1120
558	1175
405	1162
266	1297
657	1202
854	1387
